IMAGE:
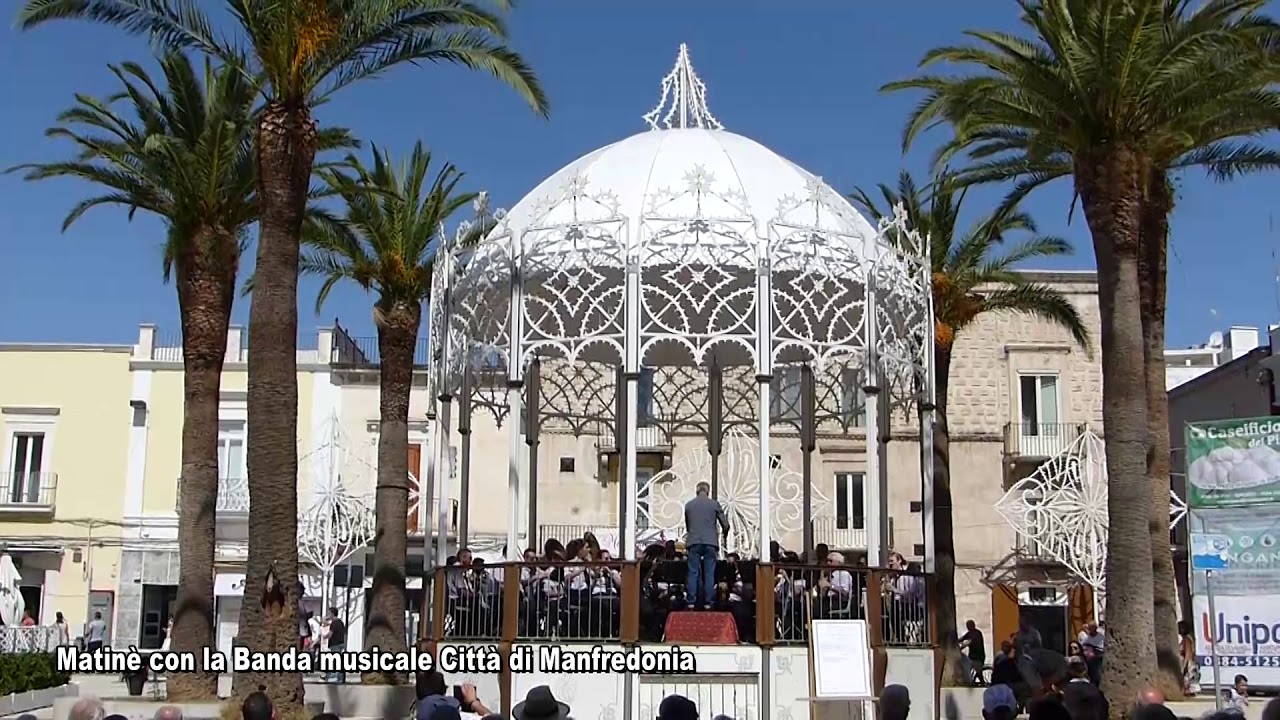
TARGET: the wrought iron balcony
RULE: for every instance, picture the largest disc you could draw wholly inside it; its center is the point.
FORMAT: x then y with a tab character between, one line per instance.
1039	440
841	533
418	517
233	496
29	492
649	438
362	352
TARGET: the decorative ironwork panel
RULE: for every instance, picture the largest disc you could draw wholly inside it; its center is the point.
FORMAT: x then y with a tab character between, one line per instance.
819	266
572	270
698	260
677	399
741	397
903	311
577	395
1062	508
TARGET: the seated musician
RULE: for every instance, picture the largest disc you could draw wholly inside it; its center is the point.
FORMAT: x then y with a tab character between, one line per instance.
789	590
655	594
835	589
606	585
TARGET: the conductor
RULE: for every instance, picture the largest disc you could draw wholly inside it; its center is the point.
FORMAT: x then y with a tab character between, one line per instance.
702	517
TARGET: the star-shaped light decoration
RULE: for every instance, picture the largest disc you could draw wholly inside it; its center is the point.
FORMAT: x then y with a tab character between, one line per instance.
1062	506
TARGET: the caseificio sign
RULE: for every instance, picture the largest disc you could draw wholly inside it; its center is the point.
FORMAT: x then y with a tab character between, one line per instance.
1233	463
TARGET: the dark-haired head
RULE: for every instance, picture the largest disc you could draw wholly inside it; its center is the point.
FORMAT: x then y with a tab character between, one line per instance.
1272	710
256	707
430	683
1049	708
1151	711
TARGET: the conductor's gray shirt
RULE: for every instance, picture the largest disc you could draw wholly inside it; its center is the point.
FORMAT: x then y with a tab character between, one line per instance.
703	516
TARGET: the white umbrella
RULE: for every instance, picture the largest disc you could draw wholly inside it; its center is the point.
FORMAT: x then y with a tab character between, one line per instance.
11	603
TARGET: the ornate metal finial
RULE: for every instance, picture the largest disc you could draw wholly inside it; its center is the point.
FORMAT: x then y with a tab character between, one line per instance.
688	99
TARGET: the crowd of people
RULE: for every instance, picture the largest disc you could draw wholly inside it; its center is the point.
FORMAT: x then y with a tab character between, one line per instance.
1025	676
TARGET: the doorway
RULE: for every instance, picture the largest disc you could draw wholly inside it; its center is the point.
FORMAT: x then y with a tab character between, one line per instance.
157	606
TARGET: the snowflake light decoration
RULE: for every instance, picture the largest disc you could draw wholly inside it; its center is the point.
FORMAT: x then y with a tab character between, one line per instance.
1062	506
338	519
739	494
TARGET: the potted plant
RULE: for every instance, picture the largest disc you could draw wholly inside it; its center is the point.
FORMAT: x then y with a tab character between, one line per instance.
135	681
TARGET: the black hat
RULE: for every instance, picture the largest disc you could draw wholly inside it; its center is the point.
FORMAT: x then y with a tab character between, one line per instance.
677	707
540	704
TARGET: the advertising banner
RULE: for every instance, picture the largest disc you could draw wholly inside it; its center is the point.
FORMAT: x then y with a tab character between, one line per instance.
1233	463
1248	630
1241	546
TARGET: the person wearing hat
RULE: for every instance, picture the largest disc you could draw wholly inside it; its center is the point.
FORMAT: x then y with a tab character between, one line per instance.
677	707
540	704
999	703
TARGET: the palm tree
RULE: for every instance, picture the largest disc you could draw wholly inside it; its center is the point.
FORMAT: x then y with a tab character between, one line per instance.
305	50
1113	94
181	152
972	275
386	243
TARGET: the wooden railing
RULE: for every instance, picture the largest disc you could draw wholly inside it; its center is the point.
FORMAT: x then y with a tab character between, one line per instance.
628	602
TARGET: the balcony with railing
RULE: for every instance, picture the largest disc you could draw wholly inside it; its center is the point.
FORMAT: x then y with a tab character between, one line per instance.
357	353
233	497
29	493
1038	440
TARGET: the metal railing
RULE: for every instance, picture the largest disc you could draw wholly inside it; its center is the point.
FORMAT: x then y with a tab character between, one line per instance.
1039	440
595	601
362	352
233	496
28	490
35	639
844	533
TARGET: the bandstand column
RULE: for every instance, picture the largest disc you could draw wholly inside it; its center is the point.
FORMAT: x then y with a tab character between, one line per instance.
808	443
715	423
445	469
515	382
877	521
532	431
631	372
464	471
514	404
764	376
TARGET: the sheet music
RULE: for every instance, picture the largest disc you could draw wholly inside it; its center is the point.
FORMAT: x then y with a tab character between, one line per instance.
841	659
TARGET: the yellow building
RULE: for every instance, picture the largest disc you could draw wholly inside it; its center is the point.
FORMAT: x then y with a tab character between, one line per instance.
149	560
67	414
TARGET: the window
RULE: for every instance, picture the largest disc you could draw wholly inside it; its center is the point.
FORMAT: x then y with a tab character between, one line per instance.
26	452
644	397
849	501
1038	400
853	399
644	496
784	394
231	462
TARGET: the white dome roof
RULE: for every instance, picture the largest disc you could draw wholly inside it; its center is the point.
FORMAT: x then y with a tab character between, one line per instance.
653	175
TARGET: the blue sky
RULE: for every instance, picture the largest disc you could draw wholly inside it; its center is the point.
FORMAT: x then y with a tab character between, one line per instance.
802	82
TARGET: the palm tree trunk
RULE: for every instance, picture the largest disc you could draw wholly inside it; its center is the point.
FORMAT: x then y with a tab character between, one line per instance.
944	545
397	338
285	152
1110	190
206	290
1152	270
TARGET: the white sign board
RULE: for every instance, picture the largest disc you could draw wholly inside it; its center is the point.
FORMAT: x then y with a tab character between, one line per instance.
841	660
